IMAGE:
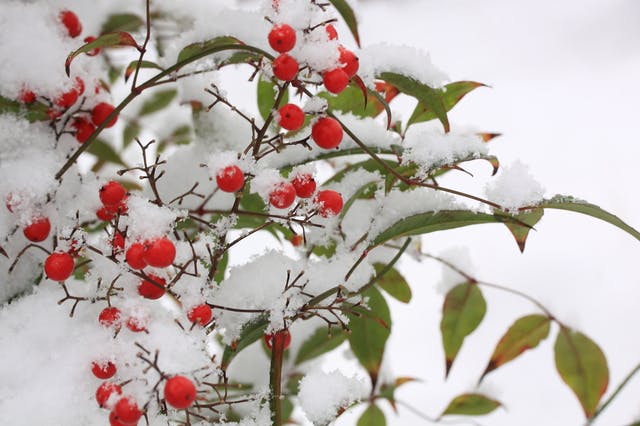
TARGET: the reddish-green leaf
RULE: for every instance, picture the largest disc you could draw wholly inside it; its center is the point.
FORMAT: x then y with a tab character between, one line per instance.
120	38
471	404
388	390
520	232
583	367
349	17
372	416
320	342
463	310
393	283
450	95
524	334
131	68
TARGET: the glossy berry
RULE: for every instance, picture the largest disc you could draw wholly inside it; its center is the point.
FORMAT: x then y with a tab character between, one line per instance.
100	112
331	32
282	195
110	317
105	214
136	324
104	392
37	230
149	290
330	202
327	133
84	129
282	38
126	411
112	193
230	179
297	240
285	67
291	117
113	420
27	96
103	370
159	253
71	22
59	266
135	256
335	80
67	99
304	184
349	61
200	314
179	392
280	338
95	51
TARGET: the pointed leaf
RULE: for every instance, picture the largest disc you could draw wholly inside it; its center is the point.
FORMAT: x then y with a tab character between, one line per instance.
196	49
524	334
450	95
121	22
583	367
349	17
471	404
573	204
158	101
267	95
520	232
131	131
32	112
320	342
372	416
251	332
119	38
463	310
393	283
351	100
131	68
105	152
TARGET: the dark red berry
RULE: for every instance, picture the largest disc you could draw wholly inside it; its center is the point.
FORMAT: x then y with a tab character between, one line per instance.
103	370
230	179
126	411
159	253
282	38
105	214
67	99
112	193
304	184
135	256
104	392
335	80
110	317
296	240
117	242
280	338
71	22
113	420
59	266
200	314
331	32
282	195
84	129
152	290
285	67
349	61
95	51
291	117
330	202
27	96
179	392
136	324
37	230
327	133
100	112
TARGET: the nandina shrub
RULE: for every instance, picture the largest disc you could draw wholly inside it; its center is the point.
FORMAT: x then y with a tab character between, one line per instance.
145	218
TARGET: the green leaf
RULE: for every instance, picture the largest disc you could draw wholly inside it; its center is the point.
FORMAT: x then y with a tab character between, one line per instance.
267	95
121	22
158	101
572	204
222	267
105	152
450	95
251	332
131	131
463	310
349	17
35	111
351	100
372	416
131	68
425	95
520	232
203	48
471	404
119	38
368	336
393	283
524	334
320	342
583	367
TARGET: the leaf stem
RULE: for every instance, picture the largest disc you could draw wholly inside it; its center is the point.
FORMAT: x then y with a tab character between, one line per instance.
615	393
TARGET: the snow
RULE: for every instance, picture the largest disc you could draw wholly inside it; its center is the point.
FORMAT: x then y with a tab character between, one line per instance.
515	187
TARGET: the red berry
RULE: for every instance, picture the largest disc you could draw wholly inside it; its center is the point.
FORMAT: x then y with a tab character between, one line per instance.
136	324
285	67
327	133
95	51
100	112
104	392
297	240
112	193
126	411
53	113
59	266
179	392
37	230
110	317
113	420
304	185
84	129
282	195
105	214
335	80
330	202
135	256
27	96
349	61
291	117
71	22
149	290
159	253
280	338
230	179
331	32
103	370
200	314
79	86
282	38
117	242
67	99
